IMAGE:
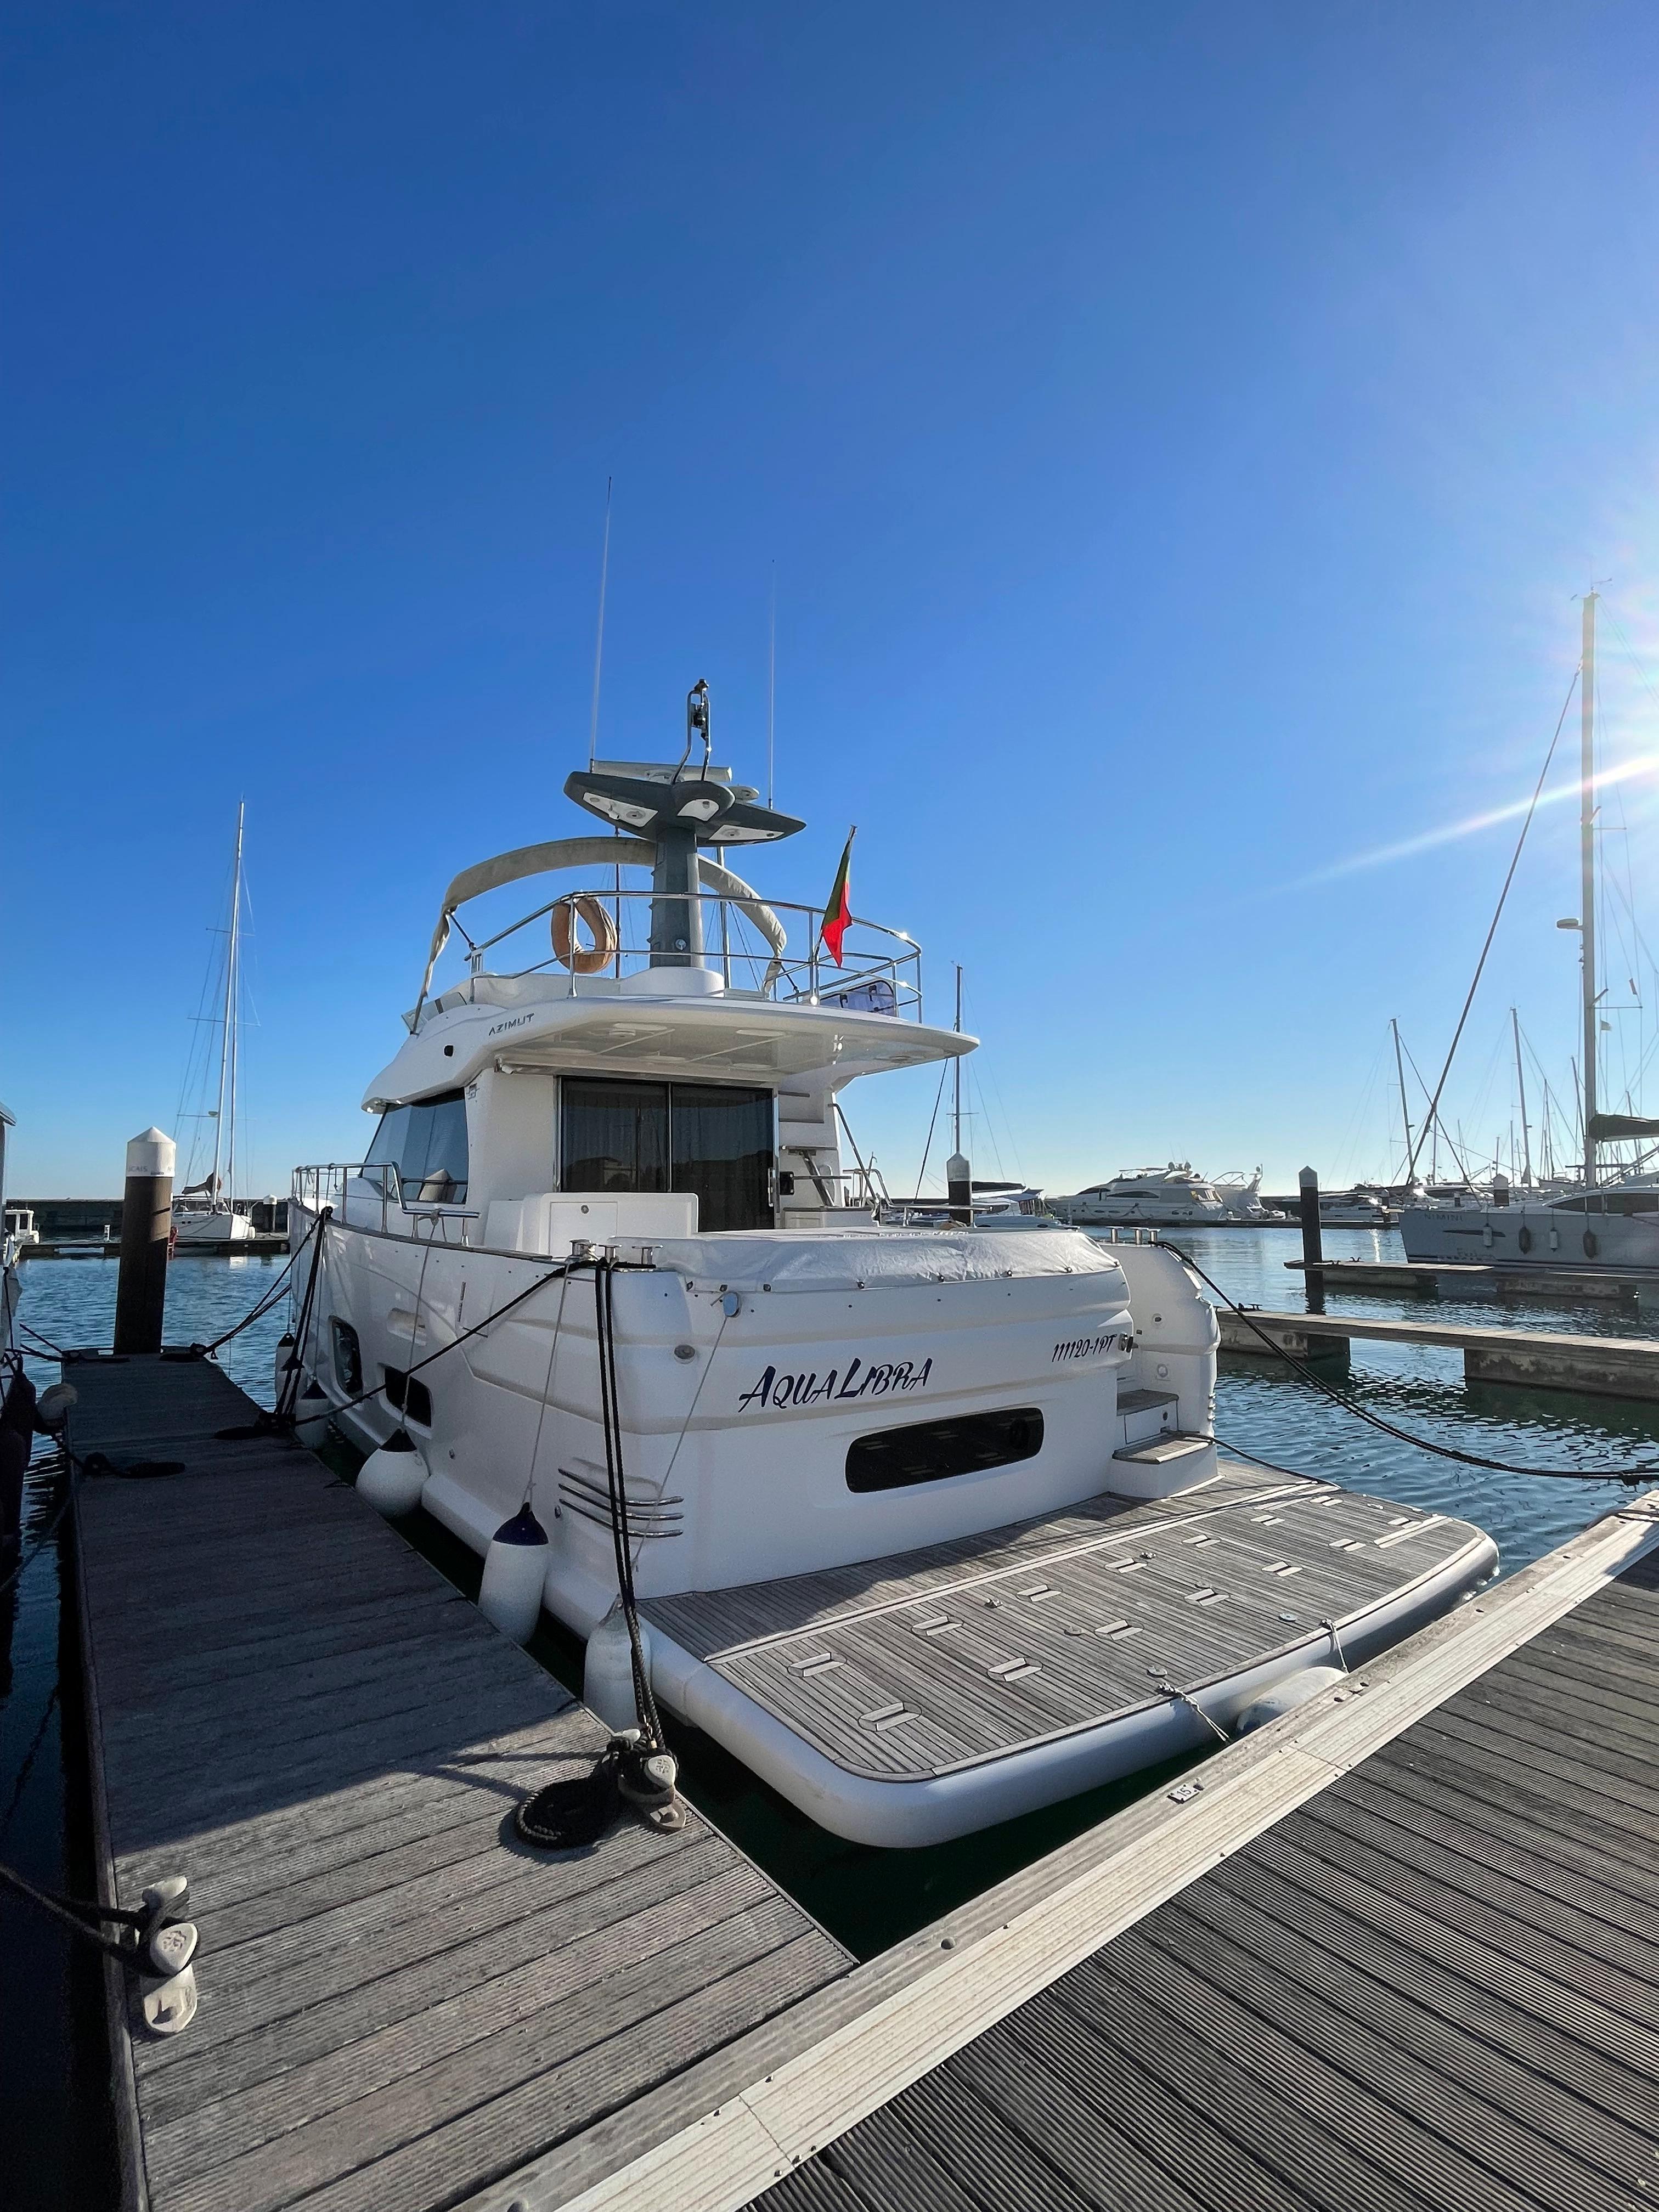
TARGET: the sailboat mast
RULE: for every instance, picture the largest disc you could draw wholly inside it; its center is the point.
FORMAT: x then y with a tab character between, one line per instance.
1521	1085
1400	1070
232	999
1587	871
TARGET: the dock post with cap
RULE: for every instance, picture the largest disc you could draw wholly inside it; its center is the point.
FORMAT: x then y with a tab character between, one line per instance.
141	1290
1313	1252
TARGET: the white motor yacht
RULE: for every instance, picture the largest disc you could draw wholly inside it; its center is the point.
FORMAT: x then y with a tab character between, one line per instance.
1354	1209
1241	1200
1173	1197
928	1526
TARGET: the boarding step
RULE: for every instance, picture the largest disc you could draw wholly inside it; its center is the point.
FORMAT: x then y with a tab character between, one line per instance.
1163	1450
1143	1415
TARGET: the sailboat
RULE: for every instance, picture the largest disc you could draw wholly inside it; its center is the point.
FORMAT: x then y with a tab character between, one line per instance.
1596	1227
205	1211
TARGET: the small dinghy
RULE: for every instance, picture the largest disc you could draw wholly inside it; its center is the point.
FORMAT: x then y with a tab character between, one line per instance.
927	1524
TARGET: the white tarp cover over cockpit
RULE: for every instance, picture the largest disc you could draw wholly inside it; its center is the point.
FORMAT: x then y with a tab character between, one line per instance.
877	1260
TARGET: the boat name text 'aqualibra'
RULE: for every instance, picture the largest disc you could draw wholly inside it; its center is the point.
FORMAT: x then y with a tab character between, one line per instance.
878	1380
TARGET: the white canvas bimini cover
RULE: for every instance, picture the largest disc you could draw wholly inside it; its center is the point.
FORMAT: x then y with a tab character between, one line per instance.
889	1258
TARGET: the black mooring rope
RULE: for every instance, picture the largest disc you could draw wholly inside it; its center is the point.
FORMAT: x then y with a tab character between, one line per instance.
1301	1368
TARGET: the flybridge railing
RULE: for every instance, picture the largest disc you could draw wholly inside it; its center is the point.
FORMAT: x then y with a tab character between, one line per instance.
746	942
368	1194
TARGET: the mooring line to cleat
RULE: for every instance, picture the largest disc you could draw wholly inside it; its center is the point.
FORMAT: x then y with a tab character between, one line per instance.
1185	1698
636	1767
156	1945
1642	1473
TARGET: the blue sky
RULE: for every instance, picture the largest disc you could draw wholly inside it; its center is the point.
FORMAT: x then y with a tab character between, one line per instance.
1179	434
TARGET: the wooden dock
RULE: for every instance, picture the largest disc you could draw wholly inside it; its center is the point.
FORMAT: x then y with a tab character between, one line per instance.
1534	1359
398	2004
1467	1278
1400	1948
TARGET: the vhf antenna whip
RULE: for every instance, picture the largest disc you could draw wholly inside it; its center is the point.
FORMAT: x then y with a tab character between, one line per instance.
697	725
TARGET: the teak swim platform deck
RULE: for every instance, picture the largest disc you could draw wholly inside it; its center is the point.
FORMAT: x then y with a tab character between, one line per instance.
397	2002
935	1660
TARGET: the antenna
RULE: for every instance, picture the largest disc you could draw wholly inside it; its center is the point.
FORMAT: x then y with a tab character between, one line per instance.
771	681
598	640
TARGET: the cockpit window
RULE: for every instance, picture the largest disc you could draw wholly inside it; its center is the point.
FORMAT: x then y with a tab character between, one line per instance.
426	1144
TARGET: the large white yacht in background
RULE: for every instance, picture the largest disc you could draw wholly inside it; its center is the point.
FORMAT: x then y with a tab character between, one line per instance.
1173	1197
927	1526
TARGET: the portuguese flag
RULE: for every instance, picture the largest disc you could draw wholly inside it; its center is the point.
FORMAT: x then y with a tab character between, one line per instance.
838	908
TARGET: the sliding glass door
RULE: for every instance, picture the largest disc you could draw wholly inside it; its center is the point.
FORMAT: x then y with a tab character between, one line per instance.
715	1138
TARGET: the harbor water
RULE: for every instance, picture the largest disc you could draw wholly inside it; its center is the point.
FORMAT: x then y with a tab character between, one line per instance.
53	2105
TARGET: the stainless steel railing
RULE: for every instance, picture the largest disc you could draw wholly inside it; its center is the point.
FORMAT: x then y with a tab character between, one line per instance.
365	1193
880	971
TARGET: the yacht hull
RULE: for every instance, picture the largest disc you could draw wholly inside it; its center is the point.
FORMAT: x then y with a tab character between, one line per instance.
1520	1236
910	1663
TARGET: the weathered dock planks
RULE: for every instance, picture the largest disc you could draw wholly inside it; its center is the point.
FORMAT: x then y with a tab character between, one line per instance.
1533	1359
1081	2035
1434	1984
1467	1278
398	2004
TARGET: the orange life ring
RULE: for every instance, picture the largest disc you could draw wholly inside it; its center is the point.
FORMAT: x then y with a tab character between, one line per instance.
567	949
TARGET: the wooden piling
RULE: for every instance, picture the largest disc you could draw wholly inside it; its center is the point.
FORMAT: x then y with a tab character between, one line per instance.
1313	1250
141	1289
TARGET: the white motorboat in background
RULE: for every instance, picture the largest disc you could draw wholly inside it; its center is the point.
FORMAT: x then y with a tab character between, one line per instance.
1354	1209
1172	1197
1241	1198
919	1520
205	1211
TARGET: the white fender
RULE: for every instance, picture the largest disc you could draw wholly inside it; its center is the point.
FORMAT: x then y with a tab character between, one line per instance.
608	1671
393	1476
515	1572
312	1416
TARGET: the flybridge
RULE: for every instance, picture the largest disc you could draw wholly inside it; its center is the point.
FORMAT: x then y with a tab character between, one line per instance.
699	932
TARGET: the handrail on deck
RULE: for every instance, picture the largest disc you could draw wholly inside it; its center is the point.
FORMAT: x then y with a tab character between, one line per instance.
882	963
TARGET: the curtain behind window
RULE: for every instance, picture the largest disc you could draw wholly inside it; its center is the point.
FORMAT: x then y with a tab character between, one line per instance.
714	1138
722	1150
616	1135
